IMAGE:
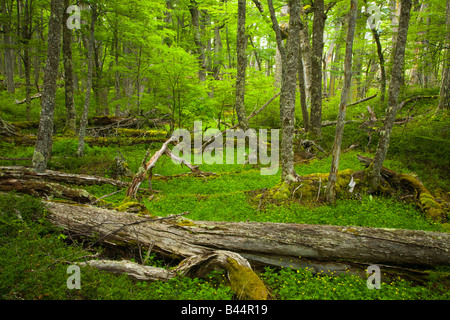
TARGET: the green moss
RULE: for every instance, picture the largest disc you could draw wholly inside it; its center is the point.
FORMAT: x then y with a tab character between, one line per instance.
245	283
129	205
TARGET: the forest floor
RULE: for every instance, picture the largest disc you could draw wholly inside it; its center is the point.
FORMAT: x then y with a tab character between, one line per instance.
419	147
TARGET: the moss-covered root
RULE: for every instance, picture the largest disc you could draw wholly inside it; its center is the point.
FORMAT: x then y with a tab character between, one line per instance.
427	202
244	282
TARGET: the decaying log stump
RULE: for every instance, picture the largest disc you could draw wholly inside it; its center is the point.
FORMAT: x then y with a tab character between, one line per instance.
323	247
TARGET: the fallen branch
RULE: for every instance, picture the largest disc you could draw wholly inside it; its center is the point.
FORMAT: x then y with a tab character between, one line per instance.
362	100
37	95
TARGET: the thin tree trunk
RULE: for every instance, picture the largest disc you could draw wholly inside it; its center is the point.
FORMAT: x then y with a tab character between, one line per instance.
241	44
287	98
87	98
394	90
71	116
444	100
306	56
316	67
9	58
302	88
43	148
376	37
332	178
195	15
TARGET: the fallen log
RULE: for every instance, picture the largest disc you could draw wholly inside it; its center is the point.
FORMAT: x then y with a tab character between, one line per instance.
323	247
45	189
24	173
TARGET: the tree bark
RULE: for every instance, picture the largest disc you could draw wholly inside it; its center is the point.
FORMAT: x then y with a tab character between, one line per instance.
241	44
275	244
316	67
394	91
71	117
43	148
87	98
332	178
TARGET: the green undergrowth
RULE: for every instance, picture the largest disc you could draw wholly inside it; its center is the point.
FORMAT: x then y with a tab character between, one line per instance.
34	256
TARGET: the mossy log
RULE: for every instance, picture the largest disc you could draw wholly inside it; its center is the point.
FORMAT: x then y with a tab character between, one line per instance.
322	247
24	173
43	188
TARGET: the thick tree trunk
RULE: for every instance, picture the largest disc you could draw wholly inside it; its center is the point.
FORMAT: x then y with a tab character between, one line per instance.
274	244
332	179
241	44
394	91
44	140
316	67
71	117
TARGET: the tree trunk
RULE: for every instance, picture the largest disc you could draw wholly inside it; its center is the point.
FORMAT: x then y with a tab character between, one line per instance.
376	36
200	47
241	44
288	90
306	55
394	90
71	117
87	98
333	248
316	67
43	148
9	58
332	179
444	100
302	88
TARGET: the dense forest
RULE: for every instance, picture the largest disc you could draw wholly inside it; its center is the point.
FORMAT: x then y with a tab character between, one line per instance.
336	121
